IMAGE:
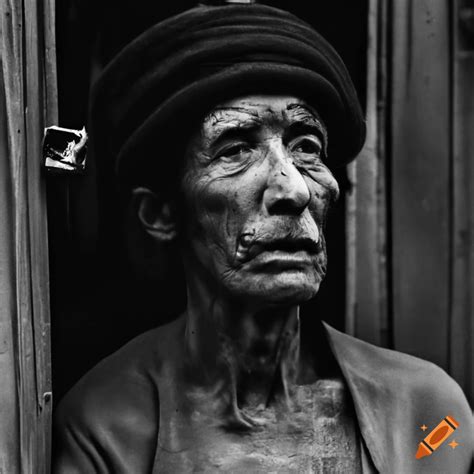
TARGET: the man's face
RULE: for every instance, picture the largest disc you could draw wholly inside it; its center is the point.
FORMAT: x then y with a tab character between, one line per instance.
256	195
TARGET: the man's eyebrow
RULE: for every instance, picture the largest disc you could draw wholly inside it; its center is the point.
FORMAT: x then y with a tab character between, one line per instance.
224	127
219	114
244	110
304	113
303	119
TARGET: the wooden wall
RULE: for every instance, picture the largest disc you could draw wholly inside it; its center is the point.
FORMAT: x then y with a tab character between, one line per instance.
461	347
27	104
411	227
82	224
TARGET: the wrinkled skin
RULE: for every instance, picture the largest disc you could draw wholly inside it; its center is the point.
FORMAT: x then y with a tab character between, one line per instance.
239	391
247	396
257	193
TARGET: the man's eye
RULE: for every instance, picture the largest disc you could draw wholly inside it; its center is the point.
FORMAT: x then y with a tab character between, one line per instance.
307	146
234	150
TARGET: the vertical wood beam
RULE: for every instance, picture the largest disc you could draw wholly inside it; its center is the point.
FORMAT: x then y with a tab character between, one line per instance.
420	170
9	433
462	283
366	313
27	53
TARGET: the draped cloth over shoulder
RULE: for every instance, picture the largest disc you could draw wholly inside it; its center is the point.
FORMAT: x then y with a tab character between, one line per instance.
180	68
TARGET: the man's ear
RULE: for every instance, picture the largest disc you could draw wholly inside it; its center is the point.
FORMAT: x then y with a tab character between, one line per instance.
155	213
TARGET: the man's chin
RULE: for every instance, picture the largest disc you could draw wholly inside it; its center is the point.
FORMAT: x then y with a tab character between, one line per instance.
285	289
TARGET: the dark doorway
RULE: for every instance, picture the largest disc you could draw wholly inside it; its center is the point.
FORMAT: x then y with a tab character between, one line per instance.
98	299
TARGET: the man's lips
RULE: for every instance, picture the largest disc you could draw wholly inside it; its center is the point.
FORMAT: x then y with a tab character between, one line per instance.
249	248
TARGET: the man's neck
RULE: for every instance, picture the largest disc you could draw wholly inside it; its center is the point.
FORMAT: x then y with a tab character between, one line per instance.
253	351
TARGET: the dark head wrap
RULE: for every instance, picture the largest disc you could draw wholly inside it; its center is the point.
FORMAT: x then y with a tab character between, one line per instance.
176	71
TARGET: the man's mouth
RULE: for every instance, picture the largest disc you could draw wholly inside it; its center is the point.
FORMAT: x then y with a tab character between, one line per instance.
250	247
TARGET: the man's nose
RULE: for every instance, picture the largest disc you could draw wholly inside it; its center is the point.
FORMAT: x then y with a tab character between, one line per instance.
286	191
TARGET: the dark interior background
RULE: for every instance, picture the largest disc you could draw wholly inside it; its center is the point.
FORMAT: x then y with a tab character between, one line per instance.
99	298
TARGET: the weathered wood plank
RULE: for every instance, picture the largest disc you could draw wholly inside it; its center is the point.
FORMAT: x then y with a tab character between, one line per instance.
421	177
366	315
41	99
25	229
22	371
462	284
50	92
9	453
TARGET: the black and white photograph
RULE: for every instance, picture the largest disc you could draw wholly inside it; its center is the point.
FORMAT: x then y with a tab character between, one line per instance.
237	236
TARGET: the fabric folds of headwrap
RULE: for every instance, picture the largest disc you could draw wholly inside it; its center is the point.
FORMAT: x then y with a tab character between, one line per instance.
176	71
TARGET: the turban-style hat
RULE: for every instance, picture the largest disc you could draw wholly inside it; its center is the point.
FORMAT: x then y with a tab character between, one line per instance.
175	72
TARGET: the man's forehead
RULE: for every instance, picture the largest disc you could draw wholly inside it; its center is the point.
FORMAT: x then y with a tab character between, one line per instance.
254	109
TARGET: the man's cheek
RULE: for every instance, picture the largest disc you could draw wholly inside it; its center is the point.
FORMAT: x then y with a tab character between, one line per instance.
321	202
213	221
323	185
205	194
225	202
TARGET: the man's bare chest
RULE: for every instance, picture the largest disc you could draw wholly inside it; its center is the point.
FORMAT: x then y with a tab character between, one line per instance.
318	433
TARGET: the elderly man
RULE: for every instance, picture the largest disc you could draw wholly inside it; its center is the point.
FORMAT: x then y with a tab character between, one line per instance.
224	123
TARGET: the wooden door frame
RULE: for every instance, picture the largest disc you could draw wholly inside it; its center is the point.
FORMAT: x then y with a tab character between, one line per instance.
367	304
410	219
29	77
